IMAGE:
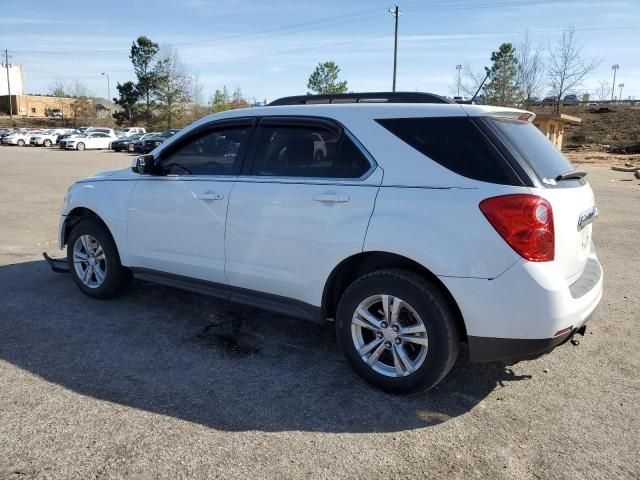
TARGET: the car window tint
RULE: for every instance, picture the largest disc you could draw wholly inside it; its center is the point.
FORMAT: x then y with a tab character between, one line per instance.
215	152
456	144
291	151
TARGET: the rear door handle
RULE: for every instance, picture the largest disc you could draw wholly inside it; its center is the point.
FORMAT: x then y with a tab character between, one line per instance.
210	196
331	198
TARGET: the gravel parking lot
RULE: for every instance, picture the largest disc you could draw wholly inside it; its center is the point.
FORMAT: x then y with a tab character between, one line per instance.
167	384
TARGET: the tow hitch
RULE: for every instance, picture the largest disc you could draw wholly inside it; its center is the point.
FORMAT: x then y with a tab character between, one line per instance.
574	341
58	265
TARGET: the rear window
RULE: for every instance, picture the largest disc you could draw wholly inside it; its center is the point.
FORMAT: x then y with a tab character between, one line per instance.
456	144
545	159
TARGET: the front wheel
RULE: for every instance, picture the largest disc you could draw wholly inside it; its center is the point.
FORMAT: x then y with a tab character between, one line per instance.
130	147
397	331
20	143
94	262
80	146
47	143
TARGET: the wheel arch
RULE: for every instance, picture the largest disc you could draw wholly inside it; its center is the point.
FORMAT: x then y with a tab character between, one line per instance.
355	266
78	214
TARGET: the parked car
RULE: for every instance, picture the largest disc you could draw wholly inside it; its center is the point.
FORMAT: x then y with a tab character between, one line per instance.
19	138
90	141
571	99
48	138
138	144
62	139
126	143
150	143
436	251
128	131
550	100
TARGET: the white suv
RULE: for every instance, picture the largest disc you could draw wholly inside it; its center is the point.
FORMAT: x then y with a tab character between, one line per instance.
413	226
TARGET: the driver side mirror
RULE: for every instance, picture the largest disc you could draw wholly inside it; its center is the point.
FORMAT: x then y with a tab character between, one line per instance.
147	164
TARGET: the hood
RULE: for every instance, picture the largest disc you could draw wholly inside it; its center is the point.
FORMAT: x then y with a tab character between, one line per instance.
123	174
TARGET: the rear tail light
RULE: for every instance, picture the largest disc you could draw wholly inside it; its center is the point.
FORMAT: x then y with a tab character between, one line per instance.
525	222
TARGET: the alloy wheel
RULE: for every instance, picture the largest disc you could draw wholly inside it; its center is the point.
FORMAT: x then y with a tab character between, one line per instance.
89	261
389	335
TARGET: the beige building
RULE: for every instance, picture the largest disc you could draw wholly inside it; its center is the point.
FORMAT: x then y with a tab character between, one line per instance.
38	106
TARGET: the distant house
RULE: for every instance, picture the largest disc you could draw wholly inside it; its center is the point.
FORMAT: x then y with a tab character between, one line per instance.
36	105
552	126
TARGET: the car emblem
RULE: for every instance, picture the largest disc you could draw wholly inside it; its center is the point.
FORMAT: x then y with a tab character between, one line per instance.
587	217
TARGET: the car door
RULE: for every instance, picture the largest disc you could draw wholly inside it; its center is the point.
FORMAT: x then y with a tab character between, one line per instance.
97	140
176	221
300	207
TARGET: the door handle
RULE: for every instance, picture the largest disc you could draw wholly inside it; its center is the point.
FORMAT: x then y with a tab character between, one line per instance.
331	198
210	196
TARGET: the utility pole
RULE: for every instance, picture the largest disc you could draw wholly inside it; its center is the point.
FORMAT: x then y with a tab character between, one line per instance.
459	68
108	93
613	88
620	86
6	64
396	13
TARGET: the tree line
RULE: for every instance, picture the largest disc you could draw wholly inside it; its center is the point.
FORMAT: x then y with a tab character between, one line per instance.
518	74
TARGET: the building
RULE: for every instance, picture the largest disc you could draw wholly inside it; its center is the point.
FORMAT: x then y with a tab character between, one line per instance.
16	80
552	126
37	106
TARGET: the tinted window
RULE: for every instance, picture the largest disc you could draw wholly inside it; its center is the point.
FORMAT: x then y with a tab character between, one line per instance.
289	151
216	152
545	159
455	143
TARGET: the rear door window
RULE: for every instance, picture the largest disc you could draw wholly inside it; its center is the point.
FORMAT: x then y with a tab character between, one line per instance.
306	151
543	157
457	144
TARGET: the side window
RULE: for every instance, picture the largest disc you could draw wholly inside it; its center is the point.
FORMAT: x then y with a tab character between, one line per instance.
291	151
456	144
216	152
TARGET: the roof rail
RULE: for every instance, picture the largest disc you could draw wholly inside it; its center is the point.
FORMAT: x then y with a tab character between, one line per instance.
365	97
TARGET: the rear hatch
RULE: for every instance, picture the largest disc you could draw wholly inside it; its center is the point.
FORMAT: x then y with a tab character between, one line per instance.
565	188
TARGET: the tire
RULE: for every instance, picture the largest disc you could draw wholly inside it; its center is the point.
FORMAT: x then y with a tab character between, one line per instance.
20	143
47	143
108	278
430	343
80	146
130	148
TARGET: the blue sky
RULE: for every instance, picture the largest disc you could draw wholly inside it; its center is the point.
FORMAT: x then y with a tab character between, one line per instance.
269	48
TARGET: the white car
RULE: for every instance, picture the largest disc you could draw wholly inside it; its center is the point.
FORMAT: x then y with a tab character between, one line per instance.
48	138
416	227
128	131
95	140
17	138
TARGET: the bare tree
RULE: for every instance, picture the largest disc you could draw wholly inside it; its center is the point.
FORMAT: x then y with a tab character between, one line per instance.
198	104
603	91
173	91
567	67
58	88
530	75
82	108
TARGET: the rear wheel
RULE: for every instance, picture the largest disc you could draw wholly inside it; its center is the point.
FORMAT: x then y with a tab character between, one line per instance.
94	262
20	143
130	147
80	146
397	331
47	143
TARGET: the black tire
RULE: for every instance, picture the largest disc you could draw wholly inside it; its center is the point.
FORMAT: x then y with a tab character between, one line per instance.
47	143
130	148
435	312
117	278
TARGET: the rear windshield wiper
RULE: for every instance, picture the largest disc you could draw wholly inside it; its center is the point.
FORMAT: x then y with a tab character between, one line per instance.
575	175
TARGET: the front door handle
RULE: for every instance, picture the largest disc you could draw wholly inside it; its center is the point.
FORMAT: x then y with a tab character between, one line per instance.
331	198
210	196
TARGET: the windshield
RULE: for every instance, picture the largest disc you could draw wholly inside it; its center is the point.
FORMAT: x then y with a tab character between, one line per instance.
545	159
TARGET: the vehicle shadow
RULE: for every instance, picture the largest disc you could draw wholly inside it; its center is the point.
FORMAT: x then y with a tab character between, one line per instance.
207	361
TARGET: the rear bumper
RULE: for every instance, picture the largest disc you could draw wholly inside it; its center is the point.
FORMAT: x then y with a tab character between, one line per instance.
527	311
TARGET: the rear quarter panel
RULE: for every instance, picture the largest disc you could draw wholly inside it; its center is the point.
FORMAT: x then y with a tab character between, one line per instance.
443	229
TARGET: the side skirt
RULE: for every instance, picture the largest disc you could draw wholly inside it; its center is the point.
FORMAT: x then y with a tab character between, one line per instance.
266	301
